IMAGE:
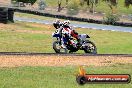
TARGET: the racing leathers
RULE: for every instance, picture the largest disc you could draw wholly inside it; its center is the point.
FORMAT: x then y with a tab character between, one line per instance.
69	33
66	32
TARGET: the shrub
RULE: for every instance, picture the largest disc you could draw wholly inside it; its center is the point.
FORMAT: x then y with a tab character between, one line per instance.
131	17
42	5
111	19
73	8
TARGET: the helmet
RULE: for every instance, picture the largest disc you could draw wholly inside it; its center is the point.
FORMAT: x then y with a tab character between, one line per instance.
57	21
66	23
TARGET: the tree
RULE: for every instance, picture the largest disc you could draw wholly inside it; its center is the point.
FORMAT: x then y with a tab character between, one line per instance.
67	2
128	3
111	4
73	8
59	5
90	3
111	18
42	4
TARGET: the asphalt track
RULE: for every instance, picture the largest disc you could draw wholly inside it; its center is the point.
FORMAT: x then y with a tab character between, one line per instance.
79	25
54	54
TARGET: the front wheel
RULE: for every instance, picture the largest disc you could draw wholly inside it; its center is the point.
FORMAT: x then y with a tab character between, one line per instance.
57	47
90	47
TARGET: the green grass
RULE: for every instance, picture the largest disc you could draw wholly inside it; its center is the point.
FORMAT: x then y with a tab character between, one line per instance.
113	42
25	15
26	37
17	14
101	7
15	41
24	42
57	77
53	3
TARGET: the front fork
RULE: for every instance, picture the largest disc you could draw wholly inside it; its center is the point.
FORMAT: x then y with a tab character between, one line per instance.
83	44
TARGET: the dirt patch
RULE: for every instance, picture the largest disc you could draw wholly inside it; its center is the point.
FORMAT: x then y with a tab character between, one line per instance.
43	26
5	2
16	61
33	31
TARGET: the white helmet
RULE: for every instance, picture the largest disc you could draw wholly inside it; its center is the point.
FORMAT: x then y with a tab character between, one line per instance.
66	23
57	21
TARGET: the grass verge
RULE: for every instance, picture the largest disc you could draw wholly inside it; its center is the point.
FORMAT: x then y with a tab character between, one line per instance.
57	77
17	14
33	37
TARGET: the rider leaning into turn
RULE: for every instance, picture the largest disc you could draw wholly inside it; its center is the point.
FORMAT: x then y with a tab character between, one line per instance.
67	31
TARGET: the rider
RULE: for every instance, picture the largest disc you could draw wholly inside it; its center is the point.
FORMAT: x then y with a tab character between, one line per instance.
57	23
59	27
64	28
70	32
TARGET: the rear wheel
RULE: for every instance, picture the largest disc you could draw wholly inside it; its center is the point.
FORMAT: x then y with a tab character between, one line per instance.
90	47
57	47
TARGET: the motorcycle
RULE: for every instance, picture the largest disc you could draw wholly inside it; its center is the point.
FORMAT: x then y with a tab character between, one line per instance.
84	44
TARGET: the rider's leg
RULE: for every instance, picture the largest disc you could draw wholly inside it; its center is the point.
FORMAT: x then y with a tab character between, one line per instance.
63	42
75	35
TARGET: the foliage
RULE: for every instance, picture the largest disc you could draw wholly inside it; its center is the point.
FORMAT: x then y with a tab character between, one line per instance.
131	17
111	19
92	3
89	2
73	8
128	3
67	2
42	5
100	7
112	2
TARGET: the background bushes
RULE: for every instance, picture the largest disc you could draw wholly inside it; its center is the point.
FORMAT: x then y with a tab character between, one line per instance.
26	1
73	8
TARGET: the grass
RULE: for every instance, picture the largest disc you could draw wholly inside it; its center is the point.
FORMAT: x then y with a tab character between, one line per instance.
113	42
121	9
17	14
25	15
53	3
33	37
57	77
16	40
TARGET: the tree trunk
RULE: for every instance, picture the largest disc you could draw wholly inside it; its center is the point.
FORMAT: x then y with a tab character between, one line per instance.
59	5
67	3
88	2
112	11
92	6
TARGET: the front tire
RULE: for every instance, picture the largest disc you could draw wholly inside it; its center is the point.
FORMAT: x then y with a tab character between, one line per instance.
90	47
57	47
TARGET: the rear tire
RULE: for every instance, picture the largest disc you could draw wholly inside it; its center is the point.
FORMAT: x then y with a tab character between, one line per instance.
90	48
57	47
